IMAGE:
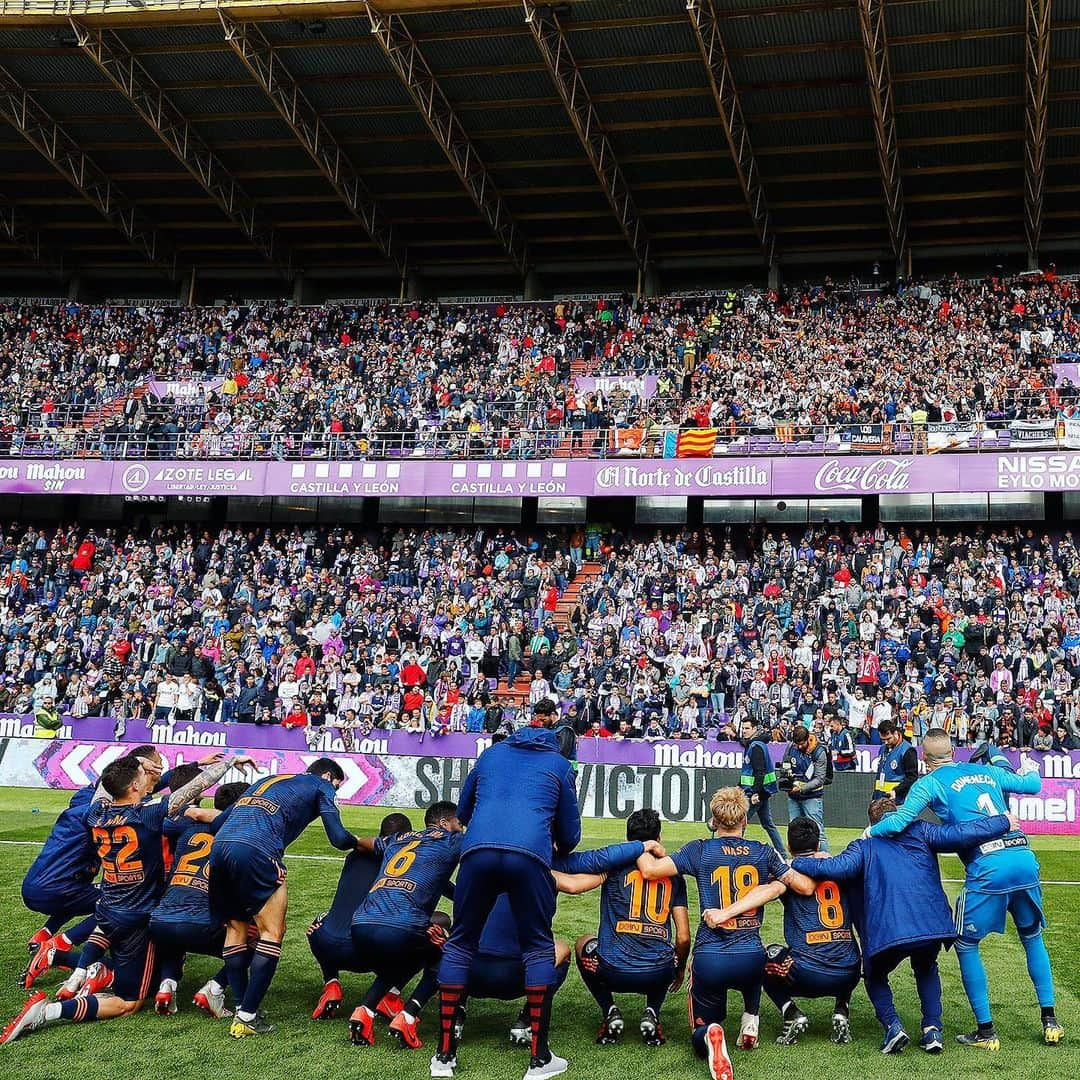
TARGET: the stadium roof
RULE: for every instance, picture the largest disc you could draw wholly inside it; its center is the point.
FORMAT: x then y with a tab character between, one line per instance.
292	136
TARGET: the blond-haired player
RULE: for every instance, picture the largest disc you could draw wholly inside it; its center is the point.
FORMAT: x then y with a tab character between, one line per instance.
727	955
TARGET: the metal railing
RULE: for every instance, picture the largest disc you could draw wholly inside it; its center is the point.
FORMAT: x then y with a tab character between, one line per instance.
439	443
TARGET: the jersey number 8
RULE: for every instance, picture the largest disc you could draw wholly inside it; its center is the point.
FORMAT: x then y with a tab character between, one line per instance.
830	910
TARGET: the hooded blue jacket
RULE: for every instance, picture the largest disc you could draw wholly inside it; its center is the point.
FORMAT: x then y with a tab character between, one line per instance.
898	899
520	797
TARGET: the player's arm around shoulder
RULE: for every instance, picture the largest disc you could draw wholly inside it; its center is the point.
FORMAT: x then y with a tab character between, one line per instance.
967	834
1027	780
568	813
606	859
794	881
843	867
576	884
654	867
757	897
922	794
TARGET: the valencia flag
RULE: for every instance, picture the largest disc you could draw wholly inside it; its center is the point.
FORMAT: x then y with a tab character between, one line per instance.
695	442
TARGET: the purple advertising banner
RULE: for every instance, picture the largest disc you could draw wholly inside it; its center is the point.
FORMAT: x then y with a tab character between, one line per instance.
400	769
642	385
1067	370
717	476
184	389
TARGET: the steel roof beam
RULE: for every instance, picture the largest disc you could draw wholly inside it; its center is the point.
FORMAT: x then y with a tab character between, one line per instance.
117	63
408	61
706	28
22	234
554	48
50	140
879	80
266	68
1036	96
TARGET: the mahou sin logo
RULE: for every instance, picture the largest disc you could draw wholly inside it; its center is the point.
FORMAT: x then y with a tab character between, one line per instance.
884	474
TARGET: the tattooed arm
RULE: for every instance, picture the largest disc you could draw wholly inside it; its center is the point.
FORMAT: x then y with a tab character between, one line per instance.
207	778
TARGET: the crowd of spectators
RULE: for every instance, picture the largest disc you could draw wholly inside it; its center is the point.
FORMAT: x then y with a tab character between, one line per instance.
681	634
283	381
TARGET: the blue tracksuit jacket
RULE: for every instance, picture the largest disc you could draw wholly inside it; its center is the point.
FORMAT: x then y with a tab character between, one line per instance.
898	896
520	797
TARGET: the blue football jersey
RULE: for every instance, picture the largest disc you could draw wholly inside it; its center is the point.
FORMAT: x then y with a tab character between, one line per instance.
961	792
186	897
415	871
726	868
129	845
636	932
272	813
817	928
68	859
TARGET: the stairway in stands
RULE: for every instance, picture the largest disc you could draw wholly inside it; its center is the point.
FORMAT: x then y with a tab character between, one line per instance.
103	413
578	369
519	691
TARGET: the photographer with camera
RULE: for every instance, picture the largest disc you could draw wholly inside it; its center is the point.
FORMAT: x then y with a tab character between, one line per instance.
803	774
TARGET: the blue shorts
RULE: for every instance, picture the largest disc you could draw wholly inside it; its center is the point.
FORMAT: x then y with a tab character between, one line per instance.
175	937
134	959
498	977
979	913
332	951
395	952
242	879
646	981
67	903
805	980
714	973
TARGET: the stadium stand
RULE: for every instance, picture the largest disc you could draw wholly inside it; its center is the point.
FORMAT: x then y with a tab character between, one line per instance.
644	636
805	371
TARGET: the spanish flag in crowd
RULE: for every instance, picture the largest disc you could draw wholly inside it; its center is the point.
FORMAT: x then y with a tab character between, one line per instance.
690	442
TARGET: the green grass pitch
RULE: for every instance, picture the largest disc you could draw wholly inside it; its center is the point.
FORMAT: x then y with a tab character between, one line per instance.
190	1045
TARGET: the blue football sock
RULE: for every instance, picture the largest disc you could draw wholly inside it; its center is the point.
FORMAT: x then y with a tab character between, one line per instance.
376	992
1038	965
236	968
973	976
79	1010
698	1039
427	985
81	931
264	963
97	945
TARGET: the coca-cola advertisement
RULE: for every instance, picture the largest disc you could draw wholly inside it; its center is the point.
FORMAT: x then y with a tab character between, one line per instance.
882	475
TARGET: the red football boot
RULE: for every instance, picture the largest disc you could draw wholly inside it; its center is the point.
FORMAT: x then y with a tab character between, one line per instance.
362	1027
390	1005
330	1003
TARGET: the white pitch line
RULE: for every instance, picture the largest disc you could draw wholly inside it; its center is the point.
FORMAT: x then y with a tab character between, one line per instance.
335	859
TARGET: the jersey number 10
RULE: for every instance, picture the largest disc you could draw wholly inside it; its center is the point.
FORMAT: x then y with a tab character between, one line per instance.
649	898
